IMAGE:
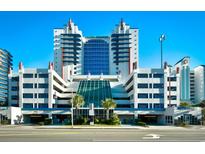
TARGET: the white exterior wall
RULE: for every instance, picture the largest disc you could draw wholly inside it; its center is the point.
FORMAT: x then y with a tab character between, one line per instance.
134	55
199	83
57	50
70	28
125	68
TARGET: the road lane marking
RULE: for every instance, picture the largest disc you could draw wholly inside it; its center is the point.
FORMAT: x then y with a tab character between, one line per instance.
151	136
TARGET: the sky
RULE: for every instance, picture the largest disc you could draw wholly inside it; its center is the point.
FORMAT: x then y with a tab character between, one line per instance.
29	35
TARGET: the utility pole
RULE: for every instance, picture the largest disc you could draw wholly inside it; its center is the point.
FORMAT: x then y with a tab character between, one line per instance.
71	104
161	39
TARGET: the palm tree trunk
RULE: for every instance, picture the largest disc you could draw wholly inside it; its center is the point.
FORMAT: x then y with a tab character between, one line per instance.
107	118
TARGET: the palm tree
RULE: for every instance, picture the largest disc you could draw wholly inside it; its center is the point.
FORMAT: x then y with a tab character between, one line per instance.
107	105
202	104
184	104
78	101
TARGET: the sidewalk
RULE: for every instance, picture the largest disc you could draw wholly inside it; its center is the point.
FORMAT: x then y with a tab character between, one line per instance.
102	127
112	127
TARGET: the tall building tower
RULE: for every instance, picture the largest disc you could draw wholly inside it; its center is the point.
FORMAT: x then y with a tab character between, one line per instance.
68	49
192	86
96	55
5	68
199	75
183	69
124	50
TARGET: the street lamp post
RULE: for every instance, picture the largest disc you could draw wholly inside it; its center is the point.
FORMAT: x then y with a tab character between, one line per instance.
71	105
161	39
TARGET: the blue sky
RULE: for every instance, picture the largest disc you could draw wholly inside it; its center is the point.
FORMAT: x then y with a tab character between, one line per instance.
29	35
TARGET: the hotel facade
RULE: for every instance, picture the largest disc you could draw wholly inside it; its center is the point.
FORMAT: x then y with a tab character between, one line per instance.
103	67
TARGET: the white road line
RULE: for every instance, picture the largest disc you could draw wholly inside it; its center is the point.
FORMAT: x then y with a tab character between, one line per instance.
151	136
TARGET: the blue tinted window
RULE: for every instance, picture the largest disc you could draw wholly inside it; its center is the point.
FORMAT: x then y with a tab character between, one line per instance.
27	75
141	95
14	88
42	85
172	88
158	75
142	85
96	57
143	105
172	97
142	75
27	95
158	106
27	105
171	79
43	75
158	95
28	85
43	95
158	85
42	105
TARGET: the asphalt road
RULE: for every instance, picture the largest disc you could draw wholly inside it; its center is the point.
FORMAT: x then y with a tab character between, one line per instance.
32	134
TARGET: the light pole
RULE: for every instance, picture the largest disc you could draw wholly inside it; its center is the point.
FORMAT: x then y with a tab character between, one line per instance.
161	39
71	104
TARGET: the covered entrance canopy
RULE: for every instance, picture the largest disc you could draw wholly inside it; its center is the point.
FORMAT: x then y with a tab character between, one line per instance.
94	91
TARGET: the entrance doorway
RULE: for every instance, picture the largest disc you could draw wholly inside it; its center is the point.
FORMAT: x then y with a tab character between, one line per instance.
148	119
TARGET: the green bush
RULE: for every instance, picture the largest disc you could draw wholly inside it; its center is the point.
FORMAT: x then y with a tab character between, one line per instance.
48	121
114	120
81	121
96	121
5	122
140	123
181	124
41	123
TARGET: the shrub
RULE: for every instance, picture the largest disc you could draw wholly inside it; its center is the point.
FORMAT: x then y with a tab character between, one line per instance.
114	120
81	121
182	124
41	123
48	121
96	121
140	123
5	122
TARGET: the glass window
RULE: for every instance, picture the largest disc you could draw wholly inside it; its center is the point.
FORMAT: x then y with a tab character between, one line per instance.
142	85
42	105
172	88
43	95
158	95
43	75
172	78
28	85
158	106
158	85
14	97
143	105
14	88
15	79
27	105
42	85
172	97
142	75
142	95
27	75
27	95
158	75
